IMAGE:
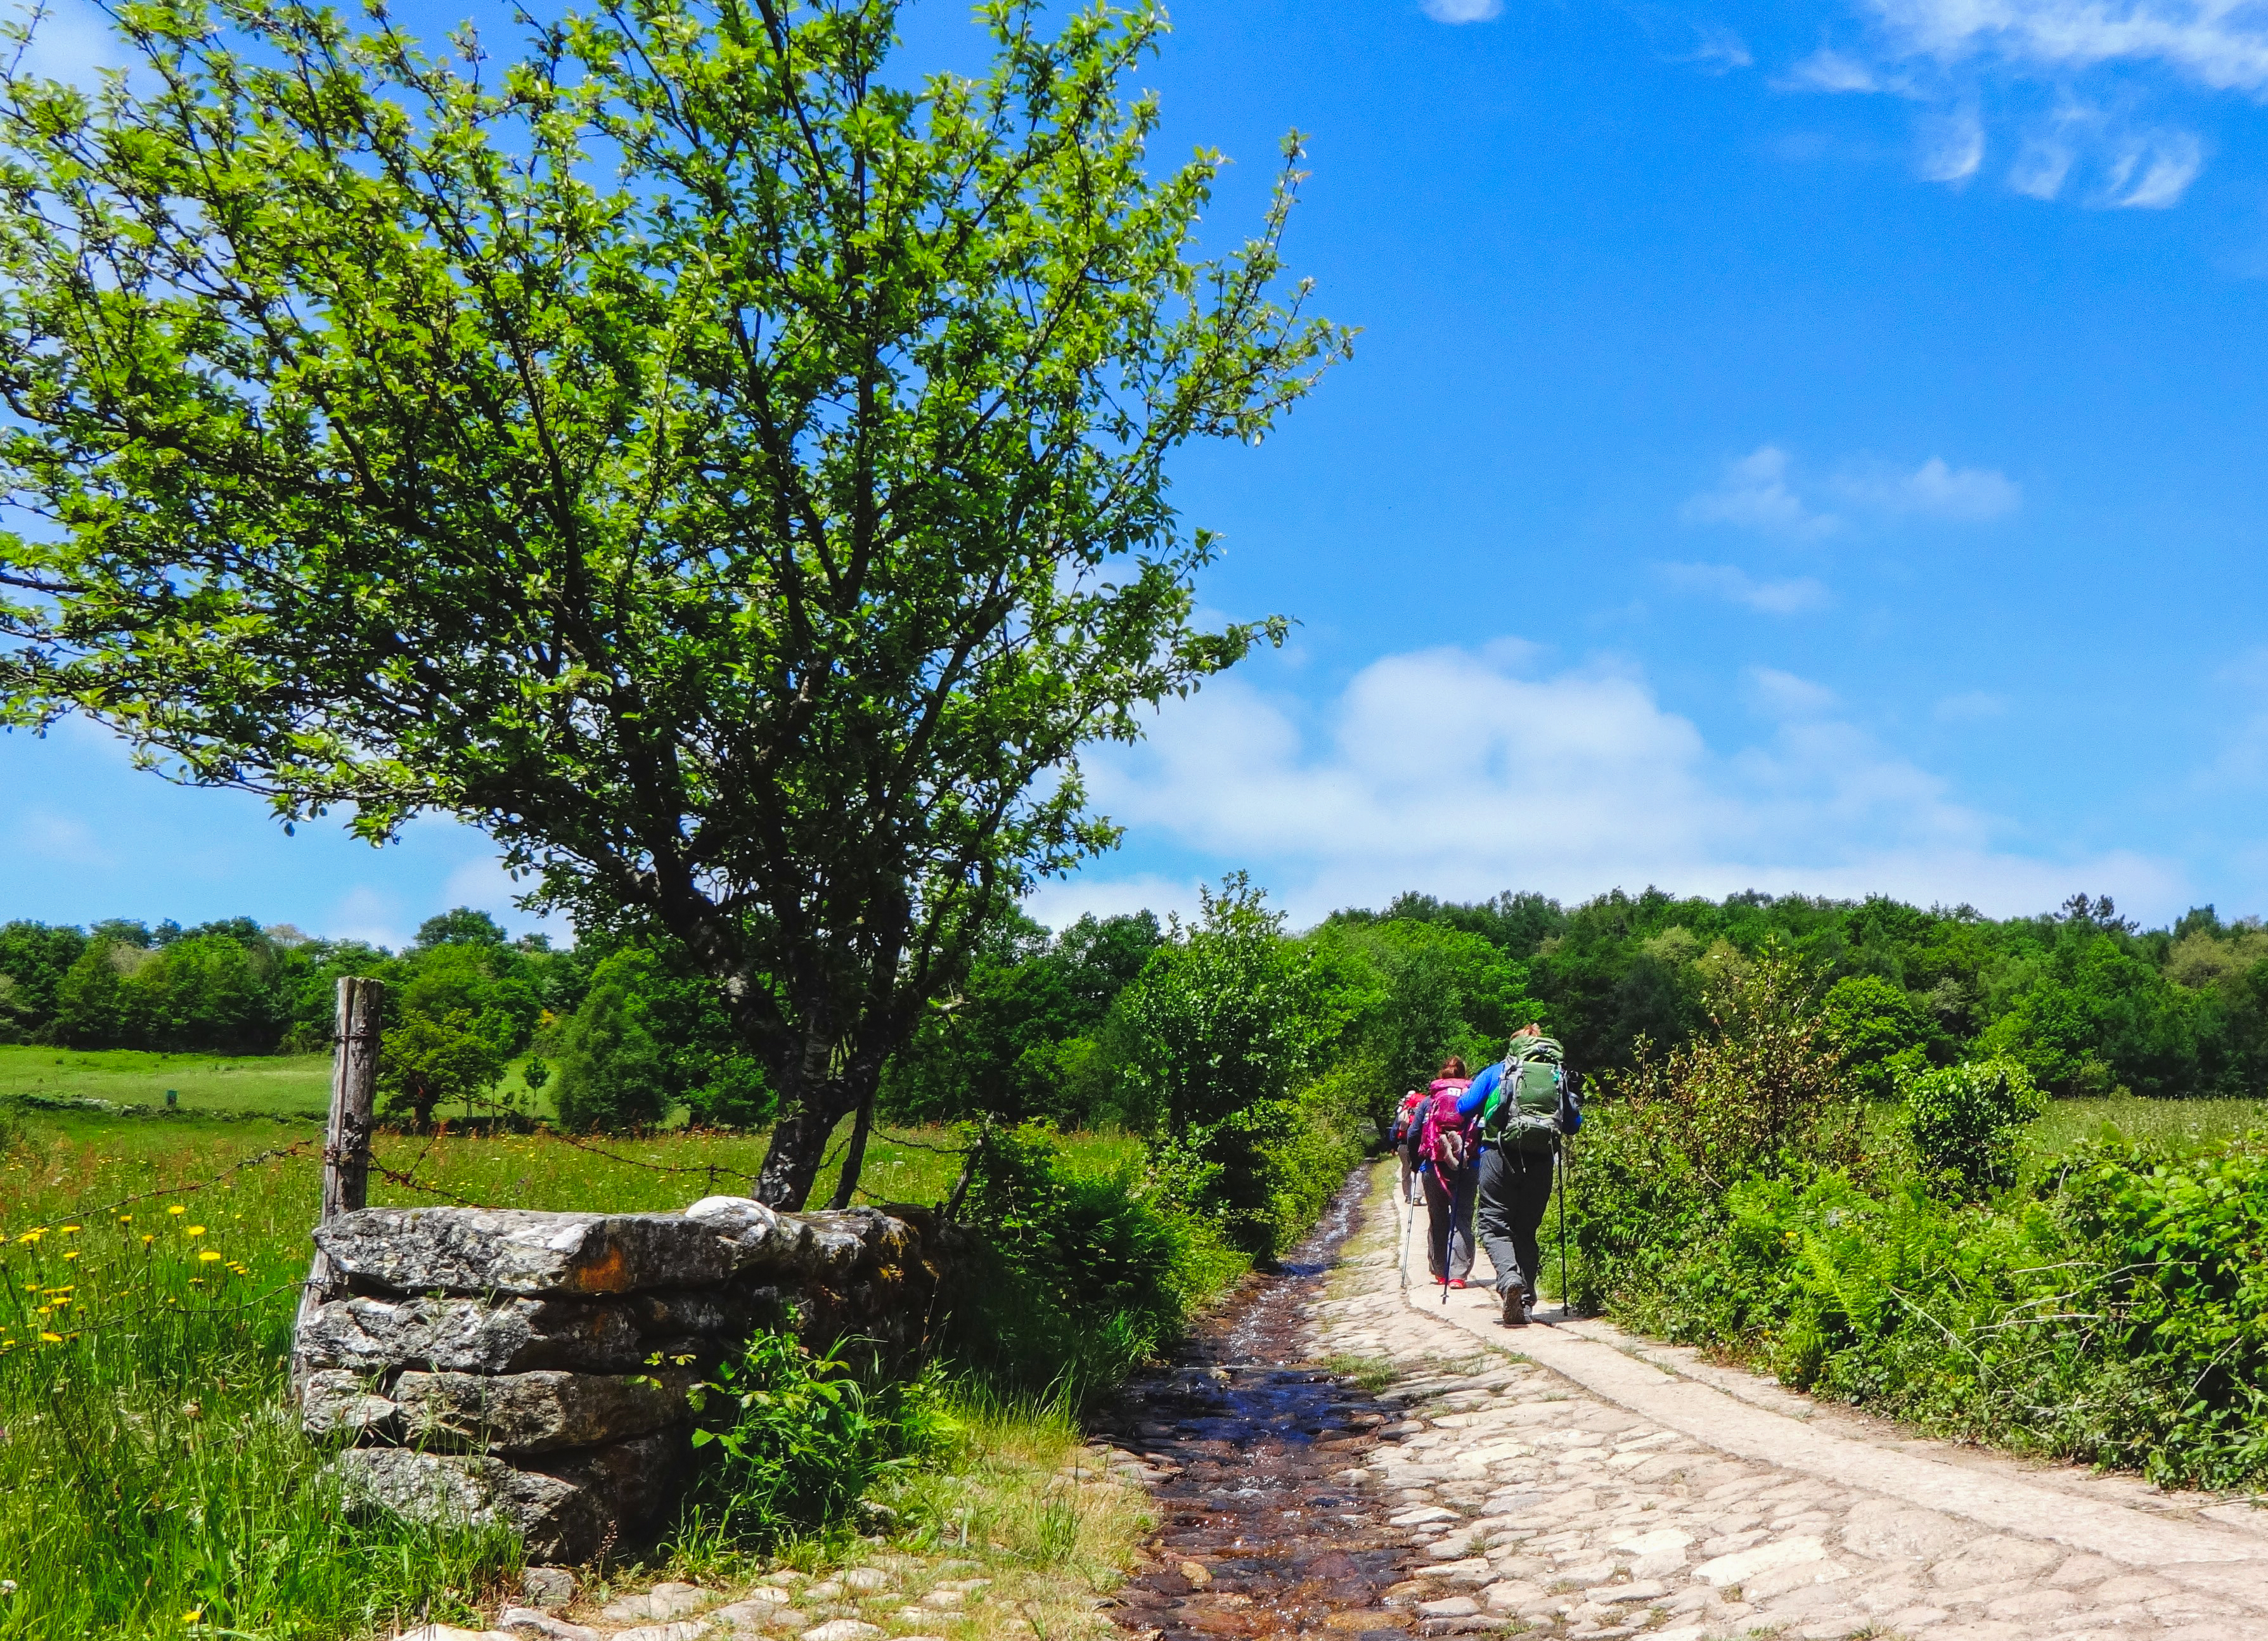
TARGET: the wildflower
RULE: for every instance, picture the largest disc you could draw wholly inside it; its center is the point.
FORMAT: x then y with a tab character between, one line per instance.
193	1231
72	1254
177	1208
52	1338
68	1229
126	1219
195	1615
209	1256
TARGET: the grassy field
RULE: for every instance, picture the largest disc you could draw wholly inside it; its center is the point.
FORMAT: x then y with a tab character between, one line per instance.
283	1085
151	1483
2177	1122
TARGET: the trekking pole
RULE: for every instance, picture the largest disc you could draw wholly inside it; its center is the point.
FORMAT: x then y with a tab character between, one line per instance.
1408	1216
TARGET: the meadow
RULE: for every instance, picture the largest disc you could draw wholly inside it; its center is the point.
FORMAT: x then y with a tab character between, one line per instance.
152	1480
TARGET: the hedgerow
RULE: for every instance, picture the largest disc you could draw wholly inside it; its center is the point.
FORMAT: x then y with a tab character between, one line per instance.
2112	1310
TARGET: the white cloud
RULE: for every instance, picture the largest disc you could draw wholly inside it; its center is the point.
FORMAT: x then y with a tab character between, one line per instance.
1059	901
1790	597
1826	69
1932	490
363	913
1952	145
2042	164
1969	706
1447	771
1954	57
2221	44
1463	10
1755	494
2152	174
1779	695
1718	50
1763	491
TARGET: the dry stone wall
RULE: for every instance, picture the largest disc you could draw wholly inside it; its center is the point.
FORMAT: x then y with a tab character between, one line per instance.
497	1364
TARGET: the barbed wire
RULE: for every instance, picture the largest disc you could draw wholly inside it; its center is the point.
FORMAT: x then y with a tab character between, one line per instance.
297	1148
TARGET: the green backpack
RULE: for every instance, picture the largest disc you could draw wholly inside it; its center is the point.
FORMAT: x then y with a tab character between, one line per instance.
1527	1110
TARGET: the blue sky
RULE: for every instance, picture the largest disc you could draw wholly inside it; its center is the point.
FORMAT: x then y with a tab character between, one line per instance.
1806	446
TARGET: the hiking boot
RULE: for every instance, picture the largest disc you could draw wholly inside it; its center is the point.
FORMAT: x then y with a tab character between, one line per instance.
1515	1305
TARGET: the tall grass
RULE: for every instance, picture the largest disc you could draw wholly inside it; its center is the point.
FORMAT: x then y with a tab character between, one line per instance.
153	1483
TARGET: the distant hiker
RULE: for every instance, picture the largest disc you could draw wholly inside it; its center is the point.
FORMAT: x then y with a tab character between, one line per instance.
1522	1108
1408	1130
1445	1148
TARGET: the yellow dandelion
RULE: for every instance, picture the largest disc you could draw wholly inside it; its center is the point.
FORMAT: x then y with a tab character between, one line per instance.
69	1228
126	1219
195	1615
193	1230
52	1338
209	1256
177	1208
146	1240
72	1254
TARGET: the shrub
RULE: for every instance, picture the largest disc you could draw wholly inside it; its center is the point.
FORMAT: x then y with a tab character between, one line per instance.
1761	1095
1085	1278
794	1441
1965	1122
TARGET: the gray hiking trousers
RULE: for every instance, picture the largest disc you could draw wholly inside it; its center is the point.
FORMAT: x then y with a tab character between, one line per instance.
1449	1226
1515	1187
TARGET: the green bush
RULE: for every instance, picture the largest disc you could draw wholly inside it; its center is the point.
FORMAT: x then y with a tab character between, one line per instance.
1082	1278
793	1440
1965	1122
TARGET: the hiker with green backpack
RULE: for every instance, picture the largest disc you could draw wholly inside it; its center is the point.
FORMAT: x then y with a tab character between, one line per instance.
1525	1107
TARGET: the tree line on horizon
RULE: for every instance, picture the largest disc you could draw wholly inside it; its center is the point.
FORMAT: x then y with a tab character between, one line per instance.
1053	1025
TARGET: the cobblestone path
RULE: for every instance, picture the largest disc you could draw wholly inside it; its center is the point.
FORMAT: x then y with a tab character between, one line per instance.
1597	1486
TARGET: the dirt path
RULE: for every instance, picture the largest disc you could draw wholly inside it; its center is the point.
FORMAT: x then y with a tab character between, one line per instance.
1596	1485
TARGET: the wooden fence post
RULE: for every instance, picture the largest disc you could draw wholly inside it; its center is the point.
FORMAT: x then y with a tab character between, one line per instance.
346	1139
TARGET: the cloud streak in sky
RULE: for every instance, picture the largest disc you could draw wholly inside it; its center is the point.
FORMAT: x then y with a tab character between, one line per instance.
1462	773
1463	10
1763	492
1794	596
2073	78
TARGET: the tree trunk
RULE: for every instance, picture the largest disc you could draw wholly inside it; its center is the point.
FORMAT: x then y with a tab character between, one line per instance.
854	1159
799	1144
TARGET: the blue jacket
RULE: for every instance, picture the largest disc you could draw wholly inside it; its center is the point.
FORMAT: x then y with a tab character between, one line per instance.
1484	1085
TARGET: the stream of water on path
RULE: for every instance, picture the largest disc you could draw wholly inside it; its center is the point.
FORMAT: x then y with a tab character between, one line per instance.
1255	1538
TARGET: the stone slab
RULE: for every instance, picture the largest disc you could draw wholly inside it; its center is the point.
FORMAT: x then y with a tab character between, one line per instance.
513	1253
540	1412
565	1512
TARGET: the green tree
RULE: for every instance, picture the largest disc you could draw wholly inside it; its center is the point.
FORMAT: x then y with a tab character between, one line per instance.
1222	1018
422	1061
34	957
613	1073
95	1007
729	474
1881	1034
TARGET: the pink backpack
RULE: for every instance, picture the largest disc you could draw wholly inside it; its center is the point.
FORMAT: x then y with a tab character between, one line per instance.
1447	1141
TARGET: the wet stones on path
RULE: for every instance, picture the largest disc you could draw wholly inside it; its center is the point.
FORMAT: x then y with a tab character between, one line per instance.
1537	1506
